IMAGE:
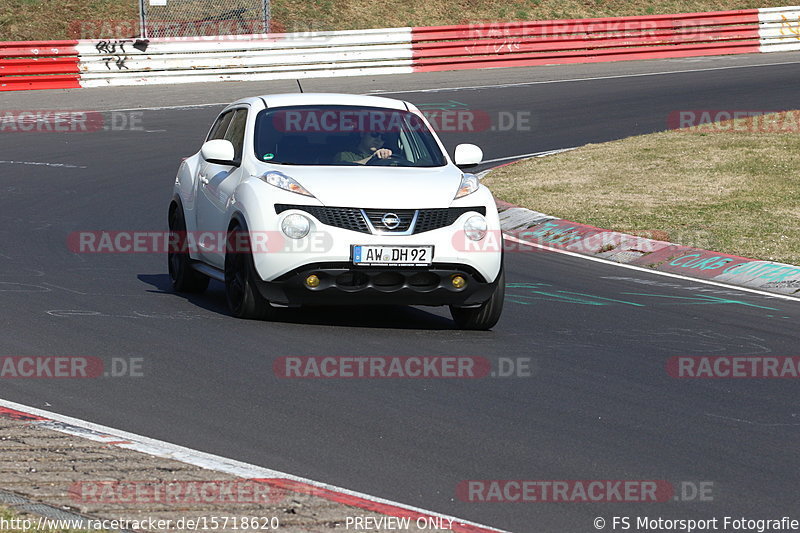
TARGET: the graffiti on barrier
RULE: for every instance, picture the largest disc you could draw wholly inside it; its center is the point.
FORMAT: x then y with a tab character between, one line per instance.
110	47
119	61
790	27
117	55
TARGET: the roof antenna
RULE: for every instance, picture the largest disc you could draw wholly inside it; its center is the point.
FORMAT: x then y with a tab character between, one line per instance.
301	87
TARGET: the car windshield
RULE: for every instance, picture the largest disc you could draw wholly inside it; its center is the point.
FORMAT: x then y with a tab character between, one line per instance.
344	135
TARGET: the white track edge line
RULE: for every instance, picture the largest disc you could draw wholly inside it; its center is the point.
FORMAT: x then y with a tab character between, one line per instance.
593	78
205	460
651	271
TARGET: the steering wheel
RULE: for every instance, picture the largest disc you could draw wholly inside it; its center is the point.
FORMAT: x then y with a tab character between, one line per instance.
392	160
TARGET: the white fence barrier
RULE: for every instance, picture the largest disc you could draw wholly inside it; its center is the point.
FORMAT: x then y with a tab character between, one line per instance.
245	58
779	29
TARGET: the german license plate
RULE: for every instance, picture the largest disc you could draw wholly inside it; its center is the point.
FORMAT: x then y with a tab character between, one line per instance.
392	255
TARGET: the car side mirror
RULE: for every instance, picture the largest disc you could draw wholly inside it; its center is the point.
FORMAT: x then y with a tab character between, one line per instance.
468	155
218	151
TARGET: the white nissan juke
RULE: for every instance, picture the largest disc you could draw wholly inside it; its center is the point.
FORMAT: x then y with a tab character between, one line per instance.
334	199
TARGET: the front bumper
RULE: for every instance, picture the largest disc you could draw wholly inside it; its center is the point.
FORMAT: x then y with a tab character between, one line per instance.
346	284
331	244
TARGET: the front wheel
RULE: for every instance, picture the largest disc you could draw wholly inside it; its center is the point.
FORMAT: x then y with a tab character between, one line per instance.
241	291
487	314
183	277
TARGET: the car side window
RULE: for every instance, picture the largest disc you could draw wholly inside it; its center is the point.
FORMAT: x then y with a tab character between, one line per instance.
235	133
220	126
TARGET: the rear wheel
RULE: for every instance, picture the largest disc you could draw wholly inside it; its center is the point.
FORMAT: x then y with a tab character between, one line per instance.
183	277
487	314
241	290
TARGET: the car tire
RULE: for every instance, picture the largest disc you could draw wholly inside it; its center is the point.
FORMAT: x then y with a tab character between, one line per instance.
183	277
241	291
487	314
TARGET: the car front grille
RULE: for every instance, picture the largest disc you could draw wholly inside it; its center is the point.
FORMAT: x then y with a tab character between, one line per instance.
340	217
355	219
430	219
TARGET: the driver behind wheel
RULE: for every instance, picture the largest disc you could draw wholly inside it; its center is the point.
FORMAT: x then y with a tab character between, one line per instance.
370	146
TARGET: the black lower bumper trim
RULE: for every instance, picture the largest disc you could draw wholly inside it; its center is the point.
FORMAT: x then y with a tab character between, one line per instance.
345	284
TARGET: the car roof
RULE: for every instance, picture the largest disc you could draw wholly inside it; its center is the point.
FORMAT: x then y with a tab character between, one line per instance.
295	99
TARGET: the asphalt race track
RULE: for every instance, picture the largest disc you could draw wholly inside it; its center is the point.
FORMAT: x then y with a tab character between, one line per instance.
599	405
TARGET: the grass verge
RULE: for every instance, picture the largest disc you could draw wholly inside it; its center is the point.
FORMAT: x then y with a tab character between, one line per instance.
730	186
22	20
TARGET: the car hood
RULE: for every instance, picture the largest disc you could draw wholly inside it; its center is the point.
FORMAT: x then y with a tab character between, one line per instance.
377	187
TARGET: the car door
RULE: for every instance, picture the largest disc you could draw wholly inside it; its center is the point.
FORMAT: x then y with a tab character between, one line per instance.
216	183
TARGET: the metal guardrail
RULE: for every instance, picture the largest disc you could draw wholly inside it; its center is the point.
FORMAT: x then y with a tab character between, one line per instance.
251	57
39	65
92	63
585	40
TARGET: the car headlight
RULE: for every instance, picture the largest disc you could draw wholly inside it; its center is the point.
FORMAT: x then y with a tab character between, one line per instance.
475	228
469	184
296	226
282	181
